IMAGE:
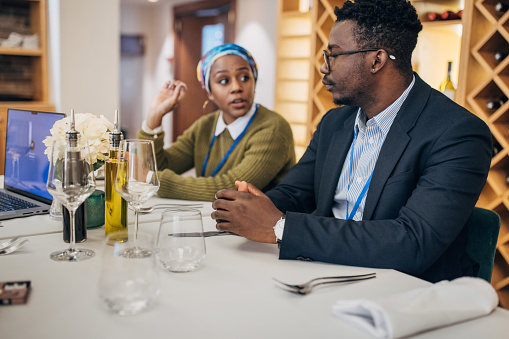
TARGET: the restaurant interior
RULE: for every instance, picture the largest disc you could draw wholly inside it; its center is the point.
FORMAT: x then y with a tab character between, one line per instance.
98	56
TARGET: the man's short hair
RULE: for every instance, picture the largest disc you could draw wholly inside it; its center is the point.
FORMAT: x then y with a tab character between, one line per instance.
392	25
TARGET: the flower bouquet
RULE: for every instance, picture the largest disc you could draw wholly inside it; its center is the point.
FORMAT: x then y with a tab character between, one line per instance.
94	130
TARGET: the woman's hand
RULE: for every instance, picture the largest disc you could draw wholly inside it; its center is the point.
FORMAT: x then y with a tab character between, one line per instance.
166	100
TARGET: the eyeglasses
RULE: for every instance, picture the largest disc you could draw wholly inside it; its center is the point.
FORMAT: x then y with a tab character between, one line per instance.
326	55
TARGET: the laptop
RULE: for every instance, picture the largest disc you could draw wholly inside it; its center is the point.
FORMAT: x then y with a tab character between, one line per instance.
26	166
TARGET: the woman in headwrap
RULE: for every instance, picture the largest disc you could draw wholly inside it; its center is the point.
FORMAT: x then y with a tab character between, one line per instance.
240	141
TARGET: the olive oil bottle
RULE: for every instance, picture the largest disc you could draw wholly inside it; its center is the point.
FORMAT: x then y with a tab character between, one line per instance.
115	209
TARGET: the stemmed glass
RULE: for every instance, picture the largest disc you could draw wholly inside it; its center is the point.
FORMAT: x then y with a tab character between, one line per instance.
136	180
71	181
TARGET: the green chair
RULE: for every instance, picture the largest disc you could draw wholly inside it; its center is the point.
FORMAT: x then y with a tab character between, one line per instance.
483	227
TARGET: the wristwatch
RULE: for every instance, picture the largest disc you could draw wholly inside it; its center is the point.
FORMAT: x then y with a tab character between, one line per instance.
279	229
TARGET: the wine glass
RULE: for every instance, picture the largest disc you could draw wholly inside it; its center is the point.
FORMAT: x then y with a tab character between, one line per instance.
136	179
71	181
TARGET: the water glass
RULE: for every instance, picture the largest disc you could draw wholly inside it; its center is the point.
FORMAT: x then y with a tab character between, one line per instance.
55	210
128	284
180	245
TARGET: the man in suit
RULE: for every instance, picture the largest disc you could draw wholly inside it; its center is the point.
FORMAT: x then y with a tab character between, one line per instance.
389	179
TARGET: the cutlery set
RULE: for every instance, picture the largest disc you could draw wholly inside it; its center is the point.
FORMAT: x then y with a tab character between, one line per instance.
307	287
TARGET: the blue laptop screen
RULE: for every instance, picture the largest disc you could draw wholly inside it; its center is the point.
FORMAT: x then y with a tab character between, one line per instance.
26	165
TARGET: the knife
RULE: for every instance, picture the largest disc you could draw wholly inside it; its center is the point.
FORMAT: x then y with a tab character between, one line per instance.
201	234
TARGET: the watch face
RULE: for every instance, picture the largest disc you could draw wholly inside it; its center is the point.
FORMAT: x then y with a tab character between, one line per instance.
279	229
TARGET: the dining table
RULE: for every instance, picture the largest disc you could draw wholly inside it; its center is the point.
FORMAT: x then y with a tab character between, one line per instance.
232	294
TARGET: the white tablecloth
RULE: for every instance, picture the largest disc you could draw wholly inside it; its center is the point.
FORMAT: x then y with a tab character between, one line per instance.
231	296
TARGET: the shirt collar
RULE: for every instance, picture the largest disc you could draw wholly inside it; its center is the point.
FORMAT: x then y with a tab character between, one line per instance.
236	127
385	118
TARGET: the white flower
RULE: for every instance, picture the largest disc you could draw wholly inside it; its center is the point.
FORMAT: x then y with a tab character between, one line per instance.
93	130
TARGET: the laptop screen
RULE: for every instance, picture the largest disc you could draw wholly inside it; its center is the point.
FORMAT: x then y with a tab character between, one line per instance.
26	165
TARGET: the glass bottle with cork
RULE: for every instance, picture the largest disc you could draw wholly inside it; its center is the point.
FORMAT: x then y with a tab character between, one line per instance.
115	218
80	221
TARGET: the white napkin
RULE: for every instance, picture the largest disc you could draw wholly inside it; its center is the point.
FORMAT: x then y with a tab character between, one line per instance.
422	309
30	41
14	40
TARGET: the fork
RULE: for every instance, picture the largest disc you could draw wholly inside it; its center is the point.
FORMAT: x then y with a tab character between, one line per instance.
308	286
14	247
9	243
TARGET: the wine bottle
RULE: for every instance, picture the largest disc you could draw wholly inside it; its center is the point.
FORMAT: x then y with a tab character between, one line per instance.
496	103
434	16
460	14
80	224
501	7
449	15
115	211
507	179
499	56
495	148
447	87
70	178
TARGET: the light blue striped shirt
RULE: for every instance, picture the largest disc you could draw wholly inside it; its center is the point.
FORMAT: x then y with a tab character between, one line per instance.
370	138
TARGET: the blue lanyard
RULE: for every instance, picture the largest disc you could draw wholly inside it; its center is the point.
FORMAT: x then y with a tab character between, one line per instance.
364	190
232	147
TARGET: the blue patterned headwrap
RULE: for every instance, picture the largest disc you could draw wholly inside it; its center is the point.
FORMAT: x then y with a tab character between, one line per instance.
206	62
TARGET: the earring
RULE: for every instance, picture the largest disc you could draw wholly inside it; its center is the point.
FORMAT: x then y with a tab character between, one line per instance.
205	105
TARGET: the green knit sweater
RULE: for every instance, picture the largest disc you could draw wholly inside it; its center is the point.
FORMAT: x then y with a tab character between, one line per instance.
262	157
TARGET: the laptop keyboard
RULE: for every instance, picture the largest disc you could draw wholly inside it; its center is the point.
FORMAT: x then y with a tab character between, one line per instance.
10	203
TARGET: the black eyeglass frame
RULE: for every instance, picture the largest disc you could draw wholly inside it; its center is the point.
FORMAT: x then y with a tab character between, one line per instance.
327	55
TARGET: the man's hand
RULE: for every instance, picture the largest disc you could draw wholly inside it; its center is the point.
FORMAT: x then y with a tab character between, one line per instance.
166	101
249	214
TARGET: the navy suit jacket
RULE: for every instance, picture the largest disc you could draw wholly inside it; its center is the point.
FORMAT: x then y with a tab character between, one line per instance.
426	182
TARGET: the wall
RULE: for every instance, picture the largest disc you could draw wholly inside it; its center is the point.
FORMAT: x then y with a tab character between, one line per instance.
256	31
154	22
84	55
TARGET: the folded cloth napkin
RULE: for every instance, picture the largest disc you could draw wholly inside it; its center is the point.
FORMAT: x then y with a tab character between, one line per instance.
422	309
30	41
14	40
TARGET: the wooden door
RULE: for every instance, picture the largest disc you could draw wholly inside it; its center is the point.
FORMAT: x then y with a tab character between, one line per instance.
190	19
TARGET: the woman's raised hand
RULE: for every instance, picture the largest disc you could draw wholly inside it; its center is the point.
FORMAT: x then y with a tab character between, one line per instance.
166	101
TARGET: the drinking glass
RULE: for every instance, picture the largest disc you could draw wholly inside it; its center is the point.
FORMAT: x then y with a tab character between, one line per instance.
136	179
180	245
71	181
127	284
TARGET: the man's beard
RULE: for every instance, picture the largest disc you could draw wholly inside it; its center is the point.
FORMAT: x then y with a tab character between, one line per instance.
343	102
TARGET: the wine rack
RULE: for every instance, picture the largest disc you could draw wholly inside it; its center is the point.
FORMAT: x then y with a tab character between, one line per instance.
487	80
320	100
292	70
